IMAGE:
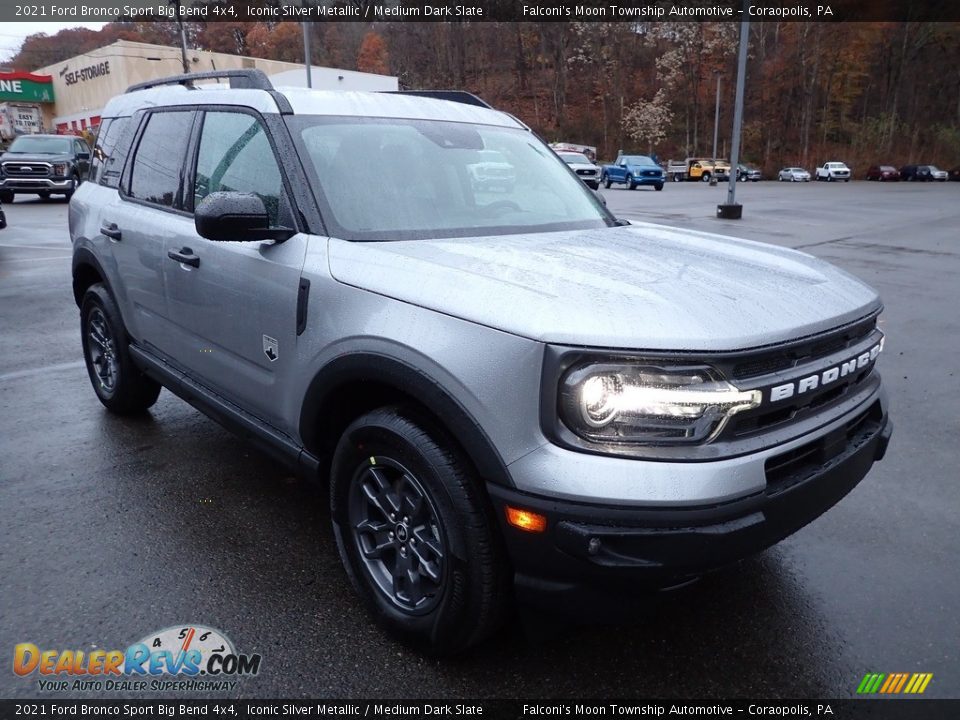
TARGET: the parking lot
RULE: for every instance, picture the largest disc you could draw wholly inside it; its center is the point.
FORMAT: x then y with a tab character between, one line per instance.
113	528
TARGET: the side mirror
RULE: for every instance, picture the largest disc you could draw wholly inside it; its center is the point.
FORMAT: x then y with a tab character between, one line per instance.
236	216
623	164
83	155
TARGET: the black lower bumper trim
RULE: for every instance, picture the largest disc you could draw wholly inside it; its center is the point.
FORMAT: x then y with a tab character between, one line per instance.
594	547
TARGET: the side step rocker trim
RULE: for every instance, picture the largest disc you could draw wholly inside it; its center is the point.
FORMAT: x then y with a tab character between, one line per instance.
265	437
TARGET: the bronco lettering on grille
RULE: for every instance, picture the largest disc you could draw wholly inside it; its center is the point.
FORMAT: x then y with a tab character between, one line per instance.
826	377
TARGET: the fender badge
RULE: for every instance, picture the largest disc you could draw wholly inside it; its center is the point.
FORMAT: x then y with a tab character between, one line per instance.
270	348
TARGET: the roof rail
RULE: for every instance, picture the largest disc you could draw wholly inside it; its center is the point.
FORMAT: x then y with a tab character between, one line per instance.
248	78
460	96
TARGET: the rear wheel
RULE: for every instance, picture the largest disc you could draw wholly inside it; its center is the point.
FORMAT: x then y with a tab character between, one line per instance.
118	383
414	533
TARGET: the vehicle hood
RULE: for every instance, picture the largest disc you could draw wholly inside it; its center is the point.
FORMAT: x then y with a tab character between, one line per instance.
35	157
641	287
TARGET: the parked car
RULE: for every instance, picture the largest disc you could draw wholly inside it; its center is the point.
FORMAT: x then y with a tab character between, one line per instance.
883	173
43	165
492	172
793	174
698	169
581	165
831	171
633	171
745	172
512	392
916	173
954	173
938	174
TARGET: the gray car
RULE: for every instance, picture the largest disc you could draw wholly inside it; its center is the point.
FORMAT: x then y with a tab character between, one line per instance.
511	395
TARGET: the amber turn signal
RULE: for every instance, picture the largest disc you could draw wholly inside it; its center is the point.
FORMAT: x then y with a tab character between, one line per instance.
526	520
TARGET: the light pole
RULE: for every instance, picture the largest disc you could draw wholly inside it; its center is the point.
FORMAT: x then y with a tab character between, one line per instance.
730	210
306	52
716	125
183	36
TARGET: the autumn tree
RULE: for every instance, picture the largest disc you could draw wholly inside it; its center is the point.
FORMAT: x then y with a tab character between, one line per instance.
373	57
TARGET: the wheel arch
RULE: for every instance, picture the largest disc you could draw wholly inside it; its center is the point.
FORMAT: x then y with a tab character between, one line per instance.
353	384
87	271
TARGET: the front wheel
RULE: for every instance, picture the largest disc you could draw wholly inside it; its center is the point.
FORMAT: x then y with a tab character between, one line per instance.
606	182
705	177
414	533
117	381
6	196
658	187
629	181
74	184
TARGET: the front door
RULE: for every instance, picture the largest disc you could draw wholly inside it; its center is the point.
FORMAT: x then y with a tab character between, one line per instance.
234	312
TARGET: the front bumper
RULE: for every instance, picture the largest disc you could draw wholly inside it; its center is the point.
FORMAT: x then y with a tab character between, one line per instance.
35	184
589	550
648	180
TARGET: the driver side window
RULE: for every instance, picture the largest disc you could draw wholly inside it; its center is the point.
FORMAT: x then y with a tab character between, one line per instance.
235	155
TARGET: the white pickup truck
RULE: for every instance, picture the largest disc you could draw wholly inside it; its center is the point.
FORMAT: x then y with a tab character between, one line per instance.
831	171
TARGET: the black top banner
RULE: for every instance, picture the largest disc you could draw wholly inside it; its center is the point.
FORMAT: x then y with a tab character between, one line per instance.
635	11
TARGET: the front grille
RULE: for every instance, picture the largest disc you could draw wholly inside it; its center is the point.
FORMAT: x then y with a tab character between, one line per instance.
586	172
795	466
777	360
27	169
651	173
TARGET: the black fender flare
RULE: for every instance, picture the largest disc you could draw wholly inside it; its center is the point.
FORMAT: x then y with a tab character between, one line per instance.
85	256
412	382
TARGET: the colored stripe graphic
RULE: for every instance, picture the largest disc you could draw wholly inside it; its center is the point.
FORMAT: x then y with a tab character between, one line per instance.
894	683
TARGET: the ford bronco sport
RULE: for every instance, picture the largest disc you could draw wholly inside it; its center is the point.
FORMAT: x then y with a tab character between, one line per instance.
506	390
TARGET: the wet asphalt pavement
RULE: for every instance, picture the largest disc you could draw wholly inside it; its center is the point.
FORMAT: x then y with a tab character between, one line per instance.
112	528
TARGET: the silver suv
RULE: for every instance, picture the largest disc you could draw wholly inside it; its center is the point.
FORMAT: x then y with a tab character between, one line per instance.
511	392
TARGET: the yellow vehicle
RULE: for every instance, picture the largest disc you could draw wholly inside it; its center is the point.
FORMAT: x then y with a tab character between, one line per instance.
701	169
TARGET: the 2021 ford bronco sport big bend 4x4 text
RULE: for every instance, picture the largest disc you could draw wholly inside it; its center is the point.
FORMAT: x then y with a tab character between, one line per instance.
502	387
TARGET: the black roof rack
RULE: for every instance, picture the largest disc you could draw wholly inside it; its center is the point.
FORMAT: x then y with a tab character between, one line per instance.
249	78
460	96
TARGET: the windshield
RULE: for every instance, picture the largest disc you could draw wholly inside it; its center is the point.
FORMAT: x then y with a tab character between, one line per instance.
397	179
42	145
571	158
637	160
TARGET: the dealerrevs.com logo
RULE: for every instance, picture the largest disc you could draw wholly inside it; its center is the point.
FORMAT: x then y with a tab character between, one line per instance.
180	658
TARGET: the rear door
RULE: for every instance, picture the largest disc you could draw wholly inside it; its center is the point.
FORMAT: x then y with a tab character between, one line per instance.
147	210
235	312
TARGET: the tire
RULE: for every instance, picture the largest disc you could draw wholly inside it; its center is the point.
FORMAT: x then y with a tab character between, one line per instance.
829	178
629	183
74	184
658	187
606	182
7	196
389	460
119	384
705	177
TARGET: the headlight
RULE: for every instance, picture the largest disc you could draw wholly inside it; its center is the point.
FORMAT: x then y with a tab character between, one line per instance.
60	169
645	404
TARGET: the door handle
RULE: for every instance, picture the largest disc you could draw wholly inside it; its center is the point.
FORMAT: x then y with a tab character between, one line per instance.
185	256
111	231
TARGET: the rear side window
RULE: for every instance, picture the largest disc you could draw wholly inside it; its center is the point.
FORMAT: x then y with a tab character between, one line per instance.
235	155
110	153
158	163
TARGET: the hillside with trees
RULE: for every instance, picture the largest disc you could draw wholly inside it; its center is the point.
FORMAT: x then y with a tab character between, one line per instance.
861	92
